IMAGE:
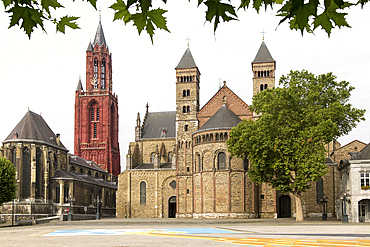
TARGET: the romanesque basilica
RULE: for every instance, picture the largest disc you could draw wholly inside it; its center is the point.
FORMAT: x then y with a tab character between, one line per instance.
178	165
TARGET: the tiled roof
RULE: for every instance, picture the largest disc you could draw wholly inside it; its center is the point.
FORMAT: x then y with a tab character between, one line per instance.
187	61
33	128
157	122
150	166
263	55
223	118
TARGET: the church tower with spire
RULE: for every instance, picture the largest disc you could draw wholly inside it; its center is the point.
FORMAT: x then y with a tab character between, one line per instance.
96	109
263	67
187	107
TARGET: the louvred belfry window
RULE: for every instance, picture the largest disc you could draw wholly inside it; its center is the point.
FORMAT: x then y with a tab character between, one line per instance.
102	72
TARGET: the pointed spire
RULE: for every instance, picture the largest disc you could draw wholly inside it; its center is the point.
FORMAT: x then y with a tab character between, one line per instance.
79	85
90	47
99	36
263	55
187	61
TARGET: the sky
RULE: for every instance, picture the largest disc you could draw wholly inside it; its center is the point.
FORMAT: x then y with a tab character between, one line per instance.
41	73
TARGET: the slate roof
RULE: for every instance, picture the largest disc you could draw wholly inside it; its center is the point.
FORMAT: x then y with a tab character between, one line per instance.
155	122
99	36
364	154
85	163
187	61
33	128
63	174
263	55
224	118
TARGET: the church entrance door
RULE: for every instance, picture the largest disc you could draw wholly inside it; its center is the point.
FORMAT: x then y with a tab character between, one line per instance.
364	210
285	206
172	207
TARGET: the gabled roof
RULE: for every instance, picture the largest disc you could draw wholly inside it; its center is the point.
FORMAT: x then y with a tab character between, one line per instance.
156	122
364	154
99	36
33	128
224	118
263	55
187	61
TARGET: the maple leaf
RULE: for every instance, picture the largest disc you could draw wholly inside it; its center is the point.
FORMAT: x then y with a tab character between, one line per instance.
217	9
67	21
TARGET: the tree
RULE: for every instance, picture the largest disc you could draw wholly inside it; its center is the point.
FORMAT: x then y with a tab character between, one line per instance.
286	143
7	181
302	15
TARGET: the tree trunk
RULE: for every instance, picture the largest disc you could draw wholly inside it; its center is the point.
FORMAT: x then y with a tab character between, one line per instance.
298	206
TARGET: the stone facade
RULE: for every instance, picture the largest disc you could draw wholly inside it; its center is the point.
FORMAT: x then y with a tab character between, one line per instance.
354	193
48	176
187	149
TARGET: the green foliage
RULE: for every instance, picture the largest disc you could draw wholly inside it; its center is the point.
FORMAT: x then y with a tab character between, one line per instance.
7	181
302	15
286	143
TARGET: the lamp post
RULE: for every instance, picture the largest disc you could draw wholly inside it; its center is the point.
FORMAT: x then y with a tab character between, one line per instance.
70	199
324	201
97	201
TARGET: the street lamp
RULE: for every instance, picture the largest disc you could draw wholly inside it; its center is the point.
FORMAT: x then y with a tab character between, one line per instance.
70	199
97	201
324	201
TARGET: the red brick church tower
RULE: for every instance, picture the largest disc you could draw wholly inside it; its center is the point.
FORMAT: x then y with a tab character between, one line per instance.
96	109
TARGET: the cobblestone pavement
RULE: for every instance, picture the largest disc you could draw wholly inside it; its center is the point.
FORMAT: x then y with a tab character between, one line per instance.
188	232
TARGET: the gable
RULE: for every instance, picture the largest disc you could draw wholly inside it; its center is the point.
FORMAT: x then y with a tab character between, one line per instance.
233	102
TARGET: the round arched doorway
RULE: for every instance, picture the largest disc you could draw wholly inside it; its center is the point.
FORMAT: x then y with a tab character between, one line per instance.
172	207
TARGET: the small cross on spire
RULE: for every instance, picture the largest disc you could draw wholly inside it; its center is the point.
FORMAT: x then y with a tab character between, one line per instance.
188	39
263	34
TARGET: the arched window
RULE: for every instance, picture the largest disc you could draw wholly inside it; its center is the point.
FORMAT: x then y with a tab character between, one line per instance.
268	73
152	157
261	87
259	74
102	74
66	192
265	86
184	93
199	163
96	175
39	173
221	161
170	157
82	171
184	109
188	93
89	173
13	155
95	128
73	168
142	192
57	193
96	68
188	109
26	173
319	190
